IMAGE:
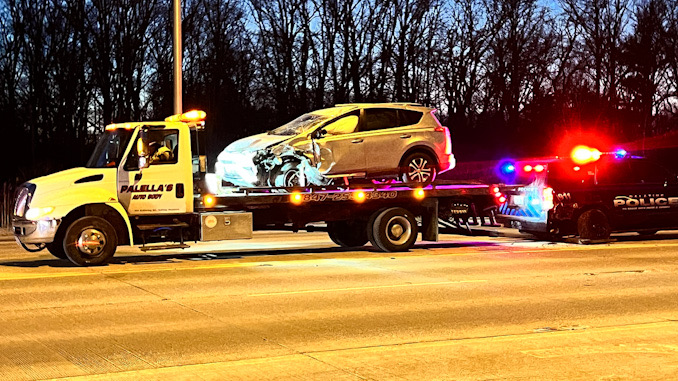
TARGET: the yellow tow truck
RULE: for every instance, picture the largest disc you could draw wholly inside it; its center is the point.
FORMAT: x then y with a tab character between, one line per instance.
145	184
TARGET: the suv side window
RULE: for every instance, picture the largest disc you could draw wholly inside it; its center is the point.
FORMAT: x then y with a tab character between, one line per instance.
378	119
618	172
344	125
409	117
646	172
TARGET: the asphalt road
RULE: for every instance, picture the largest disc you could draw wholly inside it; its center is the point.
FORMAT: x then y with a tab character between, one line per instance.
293	306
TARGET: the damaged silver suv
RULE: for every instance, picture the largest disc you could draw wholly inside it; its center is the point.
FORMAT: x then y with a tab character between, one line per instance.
401	141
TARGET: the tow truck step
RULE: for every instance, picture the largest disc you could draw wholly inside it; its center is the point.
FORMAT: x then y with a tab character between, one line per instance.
164	247
145	227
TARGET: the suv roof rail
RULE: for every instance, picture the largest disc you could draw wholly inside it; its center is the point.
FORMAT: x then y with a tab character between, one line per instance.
381	103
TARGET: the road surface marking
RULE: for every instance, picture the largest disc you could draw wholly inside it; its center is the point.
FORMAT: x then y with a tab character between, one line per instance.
369	287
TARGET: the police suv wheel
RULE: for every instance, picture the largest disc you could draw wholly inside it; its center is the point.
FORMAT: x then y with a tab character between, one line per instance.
90	241
593	226
394	229
419	169
348	233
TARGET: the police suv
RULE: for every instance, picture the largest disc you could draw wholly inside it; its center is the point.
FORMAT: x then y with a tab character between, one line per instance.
591	194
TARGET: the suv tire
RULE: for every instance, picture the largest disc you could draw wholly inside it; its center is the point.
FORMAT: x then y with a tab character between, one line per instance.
418	168
593	225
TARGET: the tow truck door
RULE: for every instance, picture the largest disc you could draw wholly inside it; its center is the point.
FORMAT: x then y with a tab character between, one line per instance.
166	185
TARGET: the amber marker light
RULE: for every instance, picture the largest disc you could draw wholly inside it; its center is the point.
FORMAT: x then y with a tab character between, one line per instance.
296	198
360	196
209	201
188	117
419	194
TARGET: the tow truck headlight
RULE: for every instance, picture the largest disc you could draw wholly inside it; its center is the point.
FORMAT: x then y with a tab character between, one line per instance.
37	213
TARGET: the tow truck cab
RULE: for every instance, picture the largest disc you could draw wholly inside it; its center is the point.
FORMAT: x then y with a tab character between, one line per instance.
126	194
613	193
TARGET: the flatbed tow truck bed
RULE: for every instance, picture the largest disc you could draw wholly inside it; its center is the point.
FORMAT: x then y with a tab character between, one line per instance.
453	204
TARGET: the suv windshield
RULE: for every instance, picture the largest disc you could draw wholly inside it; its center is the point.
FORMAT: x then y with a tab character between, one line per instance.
299	125
110	149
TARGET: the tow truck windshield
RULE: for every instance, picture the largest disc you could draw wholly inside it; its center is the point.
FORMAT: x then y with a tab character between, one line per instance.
110	149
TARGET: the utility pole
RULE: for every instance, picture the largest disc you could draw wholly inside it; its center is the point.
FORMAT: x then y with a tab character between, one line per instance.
177	57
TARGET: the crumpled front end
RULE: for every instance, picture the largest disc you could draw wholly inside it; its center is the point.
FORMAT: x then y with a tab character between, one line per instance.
269	167
237	169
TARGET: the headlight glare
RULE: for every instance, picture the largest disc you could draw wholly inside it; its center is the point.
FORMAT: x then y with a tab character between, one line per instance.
37	213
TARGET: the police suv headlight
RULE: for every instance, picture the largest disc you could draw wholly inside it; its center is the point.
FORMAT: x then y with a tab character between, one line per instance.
37	213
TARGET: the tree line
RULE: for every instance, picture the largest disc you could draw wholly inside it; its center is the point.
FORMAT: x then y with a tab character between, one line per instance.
508	77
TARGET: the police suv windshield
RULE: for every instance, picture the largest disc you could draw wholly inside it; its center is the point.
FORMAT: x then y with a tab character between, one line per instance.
110	149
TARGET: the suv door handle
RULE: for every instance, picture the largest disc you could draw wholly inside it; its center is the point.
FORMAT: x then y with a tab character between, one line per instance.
405	136
357	141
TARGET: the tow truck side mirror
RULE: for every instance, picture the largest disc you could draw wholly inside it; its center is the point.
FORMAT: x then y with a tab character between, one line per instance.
142	149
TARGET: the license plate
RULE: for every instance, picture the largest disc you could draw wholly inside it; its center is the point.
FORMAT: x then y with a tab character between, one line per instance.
517	200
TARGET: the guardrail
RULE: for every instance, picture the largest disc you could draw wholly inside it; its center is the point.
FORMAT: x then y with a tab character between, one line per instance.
6	204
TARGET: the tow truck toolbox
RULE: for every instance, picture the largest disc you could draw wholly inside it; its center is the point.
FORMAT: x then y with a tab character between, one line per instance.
130	193
591	194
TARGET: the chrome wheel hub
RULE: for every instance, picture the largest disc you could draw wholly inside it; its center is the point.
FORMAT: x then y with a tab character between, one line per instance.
91	242
398	230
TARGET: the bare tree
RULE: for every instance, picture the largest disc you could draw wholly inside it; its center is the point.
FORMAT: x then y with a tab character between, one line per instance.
520	55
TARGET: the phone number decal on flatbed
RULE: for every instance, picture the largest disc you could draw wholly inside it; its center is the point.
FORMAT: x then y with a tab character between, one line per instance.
349	196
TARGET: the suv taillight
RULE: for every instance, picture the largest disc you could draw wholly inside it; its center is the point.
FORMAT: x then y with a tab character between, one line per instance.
448	140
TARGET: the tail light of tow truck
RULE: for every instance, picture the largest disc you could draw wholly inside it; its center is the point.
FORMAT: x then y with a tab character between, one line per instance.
499	197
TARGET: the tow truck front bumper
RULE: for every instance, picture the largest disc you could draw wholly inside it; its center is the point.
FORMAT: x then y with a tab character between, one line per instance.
35	232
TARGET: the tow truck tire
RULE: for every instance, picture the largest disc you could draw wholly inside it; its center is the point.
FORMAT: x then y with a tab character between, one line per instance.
419	169
593	226
348	233
56	248
394	229
90	241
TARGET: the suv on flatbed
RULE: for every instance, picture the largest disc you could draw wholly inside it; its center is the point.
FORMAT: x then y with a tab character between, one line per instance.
361	140
615	193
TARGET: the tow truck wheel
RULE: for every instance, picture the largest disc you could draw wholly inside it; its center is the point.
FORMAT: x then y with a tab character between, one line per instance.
394	229
418	168
593	225
348	233
56	248
90	241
